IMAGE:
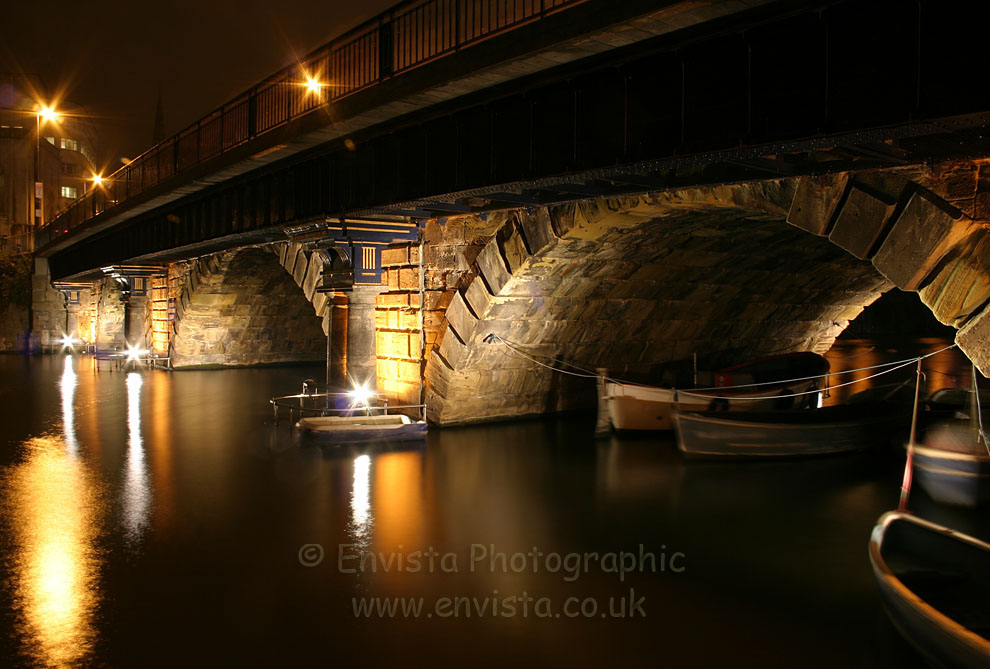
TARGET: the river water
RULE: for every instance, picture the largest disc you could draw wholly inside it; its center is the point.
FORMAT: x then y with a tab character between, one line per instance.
152	518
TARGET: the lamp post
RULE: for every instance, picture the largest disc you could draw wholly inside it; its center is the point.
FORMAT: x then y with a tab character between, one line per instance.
48	114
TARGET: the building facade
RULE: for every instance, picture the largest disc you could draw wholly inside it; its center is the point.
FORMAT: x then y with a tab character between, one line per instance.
58	153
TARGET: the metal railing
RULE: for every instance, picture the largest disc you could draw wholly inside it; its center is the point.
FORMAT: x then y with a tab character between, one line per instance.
311	402
410	34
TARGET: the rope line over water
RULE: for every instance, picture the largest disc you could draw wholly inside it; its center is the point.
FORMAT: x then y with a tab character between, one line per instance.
588	374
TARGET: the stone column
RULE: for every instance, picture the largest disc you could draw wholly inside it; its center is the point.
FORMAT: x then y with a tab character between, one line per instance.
48	308
360	353
110	315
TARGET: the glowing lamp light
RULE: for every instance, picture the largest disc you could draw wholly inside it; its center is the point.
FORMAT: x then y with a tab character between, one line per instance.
134	353
48	113
313	85
360	396
67	341
97	179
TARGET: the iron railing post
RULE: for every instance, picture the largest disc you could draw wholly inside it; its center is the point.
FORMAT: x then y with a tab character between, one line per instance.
252	129
385	54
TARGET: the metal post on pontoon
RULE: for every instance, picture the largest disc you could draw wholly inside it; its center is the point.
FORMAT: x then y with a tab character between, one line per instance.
603	425
329	338
909	462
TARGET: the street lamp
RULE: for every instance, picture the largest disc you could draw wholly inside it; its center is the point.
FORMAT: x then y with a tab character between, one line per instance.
46	113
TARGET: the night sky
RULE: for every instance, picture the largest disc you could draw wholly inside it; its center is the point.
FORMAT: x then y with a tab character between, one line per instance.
112	57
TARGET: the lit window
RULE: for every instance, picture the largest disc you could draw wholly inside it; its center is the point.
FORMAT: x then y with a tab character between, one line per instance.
368	257
139	285
70	144
70	192
51	140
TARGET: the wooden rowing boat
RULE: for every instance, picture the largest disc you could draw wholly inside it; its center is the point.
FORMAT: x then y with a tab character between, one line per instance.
935	587
791	433
953	465
632	406
362	429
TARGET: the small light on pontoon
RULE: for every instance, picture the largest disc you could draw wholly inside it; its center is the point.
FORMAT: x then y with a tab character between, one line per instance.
134	353
360	396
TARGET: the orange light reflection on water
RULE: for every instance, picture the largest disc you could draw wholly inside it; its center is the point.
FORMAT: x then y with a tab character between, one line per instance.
941	370
137	491
55	514
398	499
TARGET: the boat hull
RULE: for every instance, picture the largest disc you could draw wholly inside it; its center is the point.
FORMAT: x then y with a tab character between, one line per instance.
649	408
362	430
960	479
633	407
796	433
915	561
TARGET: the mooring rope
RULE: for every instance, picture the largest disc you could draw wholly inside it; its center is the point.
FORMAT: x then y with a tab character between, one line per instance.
588	374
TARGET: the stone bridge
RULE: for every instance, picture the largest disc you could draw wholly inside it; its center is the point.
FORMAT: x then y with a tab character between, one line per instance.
631	283
616	185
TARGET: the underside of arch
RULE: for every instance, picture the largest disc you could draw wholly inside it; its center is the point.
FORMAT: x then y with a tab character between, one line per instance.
635	284
242	308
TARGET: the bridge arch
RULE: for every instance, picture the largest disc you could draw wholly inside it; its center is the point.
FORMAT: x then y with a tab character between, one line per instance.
634	283
241	307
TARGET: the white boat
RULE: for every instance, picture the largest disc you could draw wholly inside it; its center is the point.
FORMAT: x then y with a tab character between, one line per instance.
363	429
632	406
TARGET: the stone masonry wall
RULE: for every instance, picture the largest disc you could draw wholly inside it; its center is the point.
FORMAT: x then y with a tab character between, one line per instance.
636	283
450	250
241	308
13	328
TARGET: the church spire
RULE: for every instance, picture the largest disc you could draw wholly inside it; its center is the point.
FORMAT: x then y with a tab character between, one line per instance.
159	131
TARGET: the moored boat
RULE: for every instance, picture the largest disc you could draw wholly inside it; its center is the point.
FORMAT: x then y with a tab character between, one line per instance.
935	585
751	386
953	466
789	433
363	429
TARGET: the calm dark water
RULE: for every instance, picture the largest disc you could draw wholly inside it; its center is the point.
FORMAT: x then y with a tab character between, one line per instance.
156	519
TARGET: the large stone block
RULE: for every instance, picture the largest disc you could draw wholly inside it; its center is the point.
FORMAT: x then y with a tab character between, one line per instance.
460	318
477	298
452	350
492	267
962	285
313	273
860	222
513	247
974	340
437	377
920	238
537	229
408	278
814	203
397	254
300	267
392	300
